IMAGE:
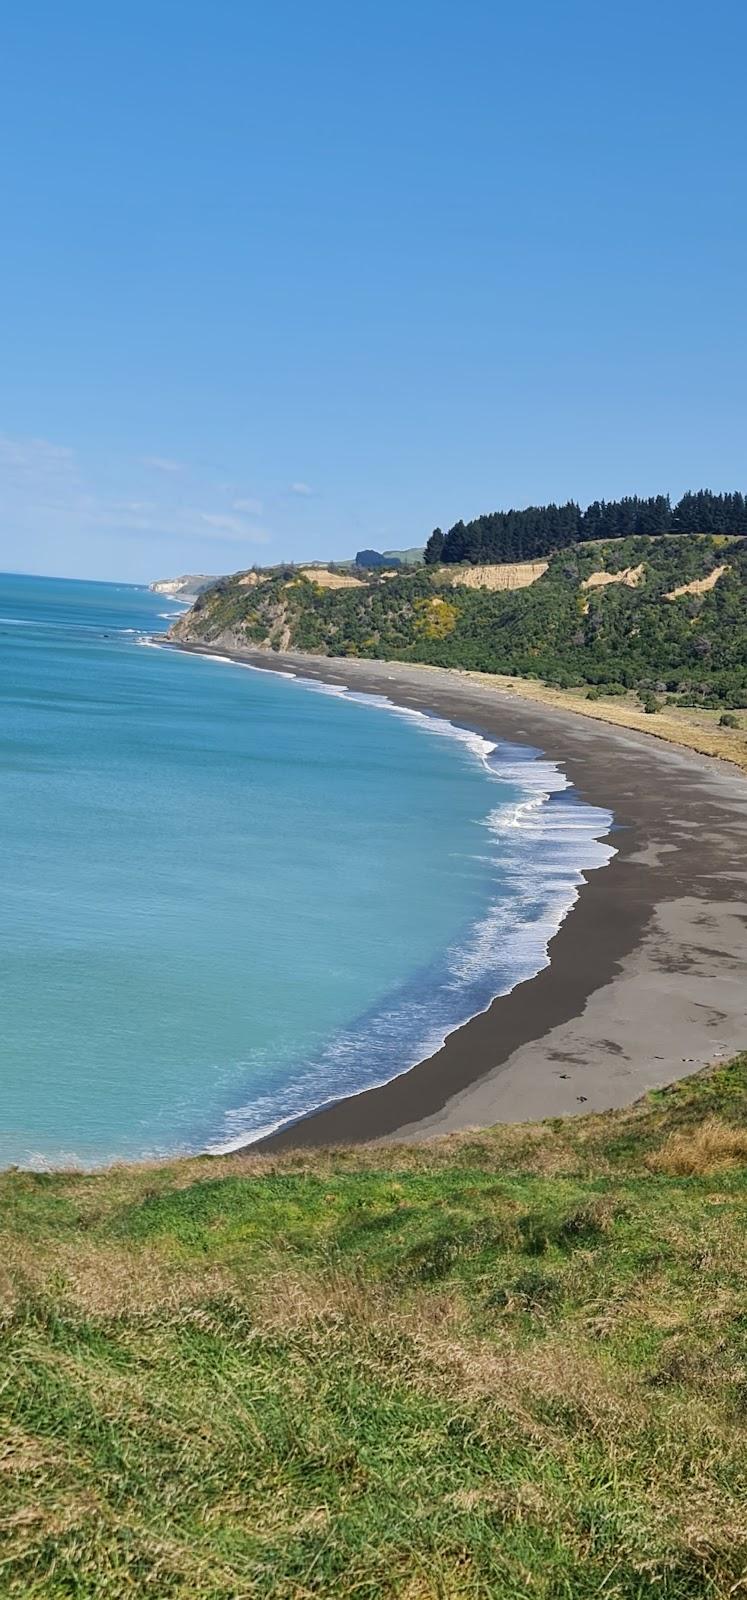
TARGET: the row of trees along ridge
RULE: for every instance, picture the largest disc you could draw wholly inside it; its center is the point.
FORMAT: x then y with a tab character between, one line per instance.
539	530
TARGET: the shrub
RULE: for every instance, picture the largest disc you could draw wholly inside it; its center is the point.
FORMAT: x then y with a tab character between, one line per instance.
697	1151
649	702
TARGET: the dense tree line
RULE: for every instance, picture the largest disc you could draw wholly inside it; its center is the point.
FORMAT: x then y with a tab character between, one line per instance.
537	531
704	512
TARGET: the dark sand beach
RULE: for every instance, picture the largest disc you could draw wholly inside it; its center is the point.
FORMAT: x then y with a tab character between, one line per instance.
648	974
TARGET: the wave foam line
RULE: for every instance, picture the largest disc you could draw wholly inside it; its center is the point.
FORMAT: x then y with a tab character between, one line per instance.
539	849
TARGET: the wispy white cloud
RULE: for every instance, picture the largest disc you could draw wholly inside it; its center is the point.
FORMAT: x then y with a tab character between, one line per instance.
163	464
35	457
301	488
40	486
229	527
133	507
253	508
182	522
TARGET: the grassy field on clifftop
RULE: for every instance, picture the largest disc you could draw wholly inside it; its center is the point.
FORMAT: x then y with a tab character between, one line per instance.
508	1364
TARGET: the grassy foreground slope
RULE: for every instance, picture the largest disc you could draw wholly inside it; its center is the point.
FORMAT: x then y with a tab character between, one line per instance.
506	1364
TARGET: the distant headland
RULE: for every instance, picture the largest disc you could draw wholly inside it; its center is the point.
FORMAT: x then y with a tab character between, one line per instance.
185	588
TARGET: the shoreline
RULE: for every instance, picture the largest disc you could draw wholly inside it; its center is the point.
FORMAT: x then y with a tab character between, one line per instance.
646	975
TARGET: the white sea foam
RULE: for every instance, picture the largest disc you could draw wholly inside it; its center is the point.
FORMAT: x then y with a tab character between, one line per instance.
539	849
45	624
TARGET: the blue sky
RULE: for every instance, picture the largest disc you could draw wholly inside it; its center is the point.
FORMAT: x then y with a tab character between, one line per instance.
282	280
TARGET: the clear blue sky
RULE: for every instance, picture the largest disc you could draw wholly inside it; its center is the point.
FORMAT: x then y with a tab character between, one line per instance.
281	280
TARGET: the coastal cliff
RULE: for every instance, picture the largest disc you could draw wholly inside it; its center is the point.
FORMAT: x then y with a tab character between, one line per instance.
662	618
184	588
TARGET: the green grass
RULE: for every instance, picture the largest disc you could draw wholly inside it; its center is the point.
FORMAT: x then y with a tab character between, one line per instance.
505	1364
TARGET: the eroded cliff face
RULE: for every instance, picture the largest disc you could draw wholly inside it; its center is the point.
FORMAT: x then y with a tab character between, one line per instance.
218	617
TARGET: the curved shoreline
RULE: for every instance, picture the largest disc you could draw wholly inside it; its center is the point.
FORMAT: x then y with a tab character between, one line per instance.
646	979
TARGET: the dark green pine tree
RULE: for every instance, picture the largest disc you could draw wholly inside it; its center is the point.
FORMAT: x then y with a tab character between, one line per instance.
434	548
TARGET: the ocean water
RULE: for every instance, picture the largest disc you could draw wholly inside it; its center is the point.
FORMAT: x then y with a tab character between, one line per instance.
228	897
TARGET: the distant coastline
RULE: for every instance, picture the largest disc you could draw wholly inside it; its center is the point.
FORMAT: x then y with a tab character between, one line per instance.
185	589
645	978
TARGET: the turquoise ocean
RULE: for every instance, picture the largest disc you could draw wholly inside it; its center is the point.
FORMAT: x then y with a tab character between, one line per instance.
228	896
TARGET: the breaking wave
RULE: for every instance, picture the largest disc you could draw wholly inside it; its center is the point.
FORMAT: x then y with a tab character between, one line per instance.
537	850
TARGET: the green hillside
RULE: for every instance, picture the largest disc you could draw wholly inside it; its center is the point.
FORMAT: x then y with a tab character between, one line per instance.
506	1364
412	557
624	635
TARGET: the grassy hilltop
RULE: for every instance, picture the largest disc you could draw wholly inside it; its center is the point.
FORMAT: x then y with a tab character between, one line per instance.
507	1364
663	618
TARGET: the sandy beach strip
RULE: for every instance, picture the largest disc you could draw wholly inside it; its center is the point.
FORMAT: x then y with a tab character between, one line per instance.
648	973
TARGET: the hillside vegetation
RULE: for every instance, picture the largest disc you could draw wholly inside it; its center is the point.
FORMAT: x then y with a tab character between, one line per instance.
505	1364
570	627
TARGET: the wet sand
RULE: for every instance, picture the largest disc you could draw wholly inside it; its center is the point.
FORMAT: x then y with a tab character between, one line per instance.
648	974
